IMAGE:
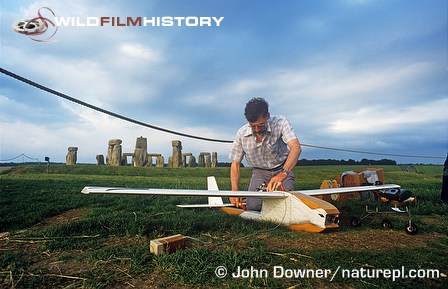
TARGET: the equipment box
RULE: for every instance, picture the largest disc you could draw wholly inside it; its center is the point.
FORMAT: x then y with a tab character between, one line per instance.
368	176
379	173
353	179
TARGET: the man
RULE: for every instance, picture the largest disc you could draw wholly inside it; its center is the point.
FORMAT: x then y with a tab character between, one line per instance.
271	147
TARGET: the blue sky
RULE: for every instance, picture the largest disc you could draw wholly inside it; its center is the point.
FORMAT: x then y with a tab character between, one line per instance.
358	75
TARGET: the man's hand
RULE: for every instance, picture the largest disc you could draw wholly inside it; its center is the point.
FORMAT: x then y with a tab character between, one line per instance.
235	201
238	202
276	181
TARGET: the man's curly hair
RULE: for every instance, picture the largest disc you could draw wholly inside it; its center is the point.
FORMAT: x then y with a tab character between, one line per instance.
255	108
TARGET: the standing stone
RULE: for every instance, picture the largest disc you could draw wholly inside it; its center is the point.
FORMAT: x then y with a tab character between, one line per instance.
184	159
100	160
150	156
192	162
114	152
214	159
141	143
72	156
160	161
201	161
140	157
176	157
204	160
208	161
124	159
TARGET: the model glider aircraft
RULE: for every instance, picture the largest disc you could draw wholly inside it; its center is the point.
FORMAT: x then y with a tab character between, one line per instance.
298	210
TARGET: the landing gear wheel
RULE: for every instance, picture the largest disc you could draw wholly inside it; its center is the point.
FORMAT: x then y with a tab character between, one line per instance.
355	222
386	223
411	228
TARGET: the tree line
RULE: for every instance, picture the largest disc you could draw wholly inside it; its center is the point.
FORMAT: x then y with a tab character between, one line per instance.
331	162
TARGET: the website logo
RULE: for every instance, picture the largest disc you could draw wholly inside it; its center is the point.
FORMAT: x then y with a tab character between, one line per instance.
140	21
40	28
43	27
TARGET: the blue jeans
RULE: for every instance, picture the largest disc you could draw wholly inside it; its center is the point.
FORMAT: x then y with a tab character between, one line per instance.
263	176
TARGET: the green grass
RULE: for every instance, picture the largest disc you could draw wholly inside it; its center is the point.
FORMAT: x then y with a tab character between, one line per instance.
72	240
429	169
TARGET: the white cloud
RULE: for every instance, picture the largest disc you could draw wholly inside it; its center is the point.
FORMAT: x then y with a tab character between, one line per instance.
139	51
381	119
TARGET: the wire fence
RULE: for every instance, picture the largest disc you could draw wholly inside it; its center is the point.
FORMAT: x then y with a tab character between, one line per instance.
23	156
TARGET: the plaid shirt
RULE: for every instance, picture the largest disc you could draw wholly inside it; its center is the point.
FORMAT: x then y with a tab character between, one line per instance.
271	152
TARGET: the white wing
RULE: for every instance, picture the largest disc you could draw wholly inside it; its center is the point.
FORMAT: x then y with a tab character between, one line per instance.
174	192
214	194
347	190
263	195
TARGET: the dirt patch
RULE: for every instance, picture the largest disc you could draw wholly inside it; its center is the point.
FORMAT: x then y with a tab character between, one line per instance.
353	240
8	240
64	218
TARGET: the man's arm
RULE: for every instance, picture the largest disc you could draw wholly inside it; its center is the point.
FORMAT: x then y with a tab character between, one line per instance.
294	153
235	179
235	175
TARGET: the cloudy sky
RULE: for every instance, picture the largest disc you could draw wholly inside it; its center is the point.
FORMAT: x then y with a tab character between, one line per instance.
350	74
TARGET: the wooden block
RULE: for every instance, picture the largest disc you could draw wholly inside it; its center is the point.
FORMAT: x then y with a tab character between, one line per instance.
167	244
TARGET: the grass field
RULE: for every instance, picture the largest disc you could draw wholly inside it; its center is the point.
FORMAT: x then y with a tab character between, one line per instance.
52	236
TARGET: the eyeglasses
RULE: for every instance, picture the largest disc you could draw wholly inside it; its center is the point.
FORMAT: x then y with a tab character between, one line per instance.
259	127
